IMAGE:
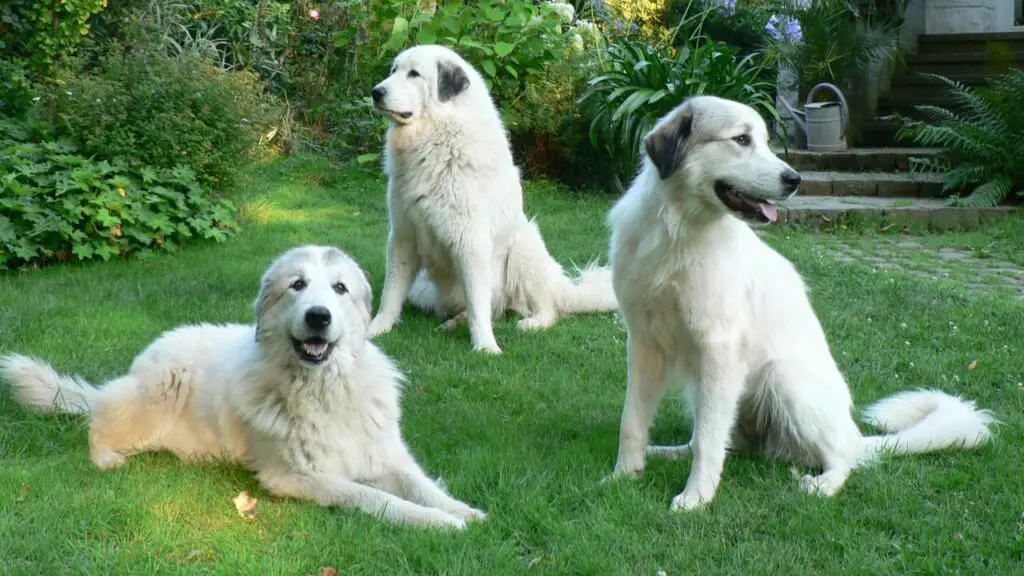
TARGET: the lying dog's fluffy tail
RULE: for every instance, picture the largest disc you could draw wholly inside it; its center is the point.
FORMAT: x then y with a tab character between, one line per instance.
35	383
925	421
590	291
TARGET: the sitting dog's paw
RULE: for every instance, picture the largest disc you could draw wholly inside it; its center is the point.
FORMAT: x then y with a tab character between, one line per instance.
688	500
489	348
453	322
621	474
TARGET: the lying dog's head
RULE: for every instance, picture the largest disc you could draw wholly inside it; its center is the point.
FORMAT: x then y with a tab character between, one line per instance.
717	151
314	300
424	80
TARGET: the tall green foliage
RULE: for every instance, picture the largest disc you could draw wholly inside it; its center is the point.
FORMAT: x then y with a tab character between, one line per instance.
980	136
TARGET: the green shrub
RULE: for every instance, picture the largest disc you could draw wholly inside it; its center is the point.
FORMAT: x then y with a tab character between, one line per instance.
738	23
641	82
150	109
42	32
56	204
980	142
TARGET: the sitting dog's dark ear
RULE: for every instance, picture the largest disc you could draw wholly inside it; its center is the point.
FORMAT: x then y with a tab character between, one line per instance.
665	145
451	81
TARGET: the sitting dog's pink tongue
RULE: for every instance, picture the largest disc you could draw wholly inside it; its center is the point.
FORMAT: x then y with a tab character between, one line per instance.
769	210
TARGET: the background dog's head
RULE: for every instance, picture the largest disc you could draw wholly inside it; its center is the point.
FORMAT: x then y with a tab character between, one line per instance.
314	301
424	80
717	151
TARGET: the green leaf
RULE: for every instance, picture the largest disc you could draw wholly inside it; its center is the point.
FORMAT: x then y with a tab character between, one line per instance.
364	158
489	67
502	49
426	36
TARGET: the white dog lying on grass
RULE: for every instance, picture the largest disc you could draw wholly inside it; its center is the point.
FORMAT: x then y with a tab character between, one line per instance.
301	398
703	296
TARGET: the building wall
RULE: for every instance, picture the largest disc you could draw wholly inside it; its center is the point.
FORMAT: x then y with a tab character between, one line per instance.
968	16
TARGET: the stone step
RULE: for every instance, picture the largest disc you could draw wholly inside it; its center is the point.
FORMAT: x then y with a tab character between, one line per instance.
955	64
872	184
946	43
854	159
817	211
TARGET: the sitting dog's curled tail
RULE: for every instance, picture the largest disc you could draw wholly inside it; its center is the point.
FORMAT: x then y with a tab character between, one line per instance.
921	421
36	384
590	291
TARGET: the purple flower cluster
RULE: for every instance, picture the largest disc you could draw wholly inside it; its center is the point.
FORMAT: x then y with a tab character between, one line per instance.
727	6
784	28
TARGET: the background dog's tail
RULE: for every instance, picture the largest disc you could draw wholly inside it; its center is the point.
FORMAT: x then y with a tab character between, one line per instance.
590	291
35	383
925	421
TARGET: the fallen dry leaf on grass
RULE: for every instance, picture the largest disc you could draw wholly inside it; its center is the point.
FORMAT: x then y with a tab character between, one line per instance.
246	505
972	365
328	571
22	493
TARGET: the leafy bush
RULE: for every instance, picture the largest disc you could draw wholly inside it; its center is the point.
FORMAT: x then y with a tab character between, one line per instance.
41	32
56	204
641	82
839	43
738	23
980	142
151	109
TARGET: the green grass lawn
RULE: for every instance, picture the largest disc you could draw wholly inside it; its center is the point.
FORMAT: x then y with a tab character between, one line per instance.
526	435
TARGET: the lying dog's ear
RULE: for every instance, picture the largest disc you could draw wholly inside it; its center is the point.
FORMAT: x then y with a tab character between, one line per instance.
451	81
264	302
666	144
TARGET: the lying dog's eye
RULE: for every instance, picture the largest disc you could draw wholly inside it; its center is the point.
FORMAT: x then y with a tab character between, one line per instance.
299	285
340	288
414	74
742	140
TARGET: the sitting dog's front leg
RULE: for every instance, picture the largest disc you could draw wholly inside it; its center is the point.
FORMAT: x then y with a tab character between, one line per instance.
716	400
473	259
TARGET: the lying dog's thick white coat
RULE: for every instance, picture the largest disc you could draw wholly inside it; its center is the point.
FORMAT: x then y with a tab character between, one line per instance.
302	398
702	296
459	243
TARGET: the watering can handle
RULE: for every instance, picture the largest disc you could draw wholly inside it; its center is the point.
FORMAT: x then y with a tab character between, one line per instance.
843	108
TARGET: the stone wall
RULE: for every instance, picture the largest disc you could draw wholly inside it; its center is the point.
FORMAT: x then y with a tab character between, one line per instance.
968	16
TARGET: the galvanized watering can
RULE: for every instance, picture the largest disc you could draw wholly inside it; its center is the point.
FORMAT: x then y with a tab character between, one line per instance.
824	123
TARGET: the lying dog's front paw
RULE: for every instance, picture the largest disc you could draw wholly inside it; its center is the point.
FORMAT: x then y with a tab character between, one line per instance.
446	521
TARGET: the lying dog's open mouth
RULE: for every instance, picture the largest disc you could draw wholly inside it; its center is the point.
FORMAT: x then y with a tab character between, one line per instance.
313	350
392	113
756	209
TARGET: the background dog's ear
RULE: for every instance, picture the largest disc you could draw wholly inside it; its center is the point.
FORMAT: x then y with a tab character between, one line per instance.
665	145
451	81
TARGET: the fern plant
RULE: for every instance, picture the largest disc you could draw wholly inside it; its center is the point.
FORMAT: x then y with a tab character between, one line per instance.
980	139
641	82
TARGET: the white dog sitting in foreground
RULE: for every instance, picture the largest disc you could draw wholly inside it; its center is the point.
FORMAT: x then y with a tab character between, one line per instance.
703	297
302	398
459	244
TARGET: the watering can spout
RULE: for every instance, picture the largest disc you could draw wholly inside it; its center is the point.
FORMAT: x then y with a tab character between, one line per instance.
796	115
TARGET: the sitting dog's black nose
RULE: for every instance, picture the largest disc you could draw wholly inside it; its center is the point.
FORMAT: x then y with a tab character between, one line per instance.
318	317
378	94
790	178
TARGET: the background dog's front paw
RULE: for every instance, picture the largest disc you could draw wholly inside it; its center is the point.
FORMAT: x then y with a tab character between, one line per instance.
378	326
453	322
622	474
535	323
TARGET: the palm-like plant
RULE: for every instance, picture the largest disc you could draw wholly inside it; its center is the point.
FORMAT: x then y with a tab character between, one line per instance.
980	141
641	82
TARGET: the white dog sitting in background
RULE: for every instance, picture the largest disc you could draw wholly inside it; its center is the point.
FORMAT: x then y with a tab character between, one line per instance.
302	398
459	244
703	297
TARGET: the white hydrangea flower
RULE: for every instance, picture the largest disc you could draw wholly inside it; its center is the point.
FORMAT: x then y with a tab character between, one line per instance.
565	12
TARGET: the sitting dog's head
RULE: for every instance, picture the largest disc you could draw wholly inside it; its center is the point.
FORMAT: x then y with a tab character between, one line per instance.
314	301
717	150
424	80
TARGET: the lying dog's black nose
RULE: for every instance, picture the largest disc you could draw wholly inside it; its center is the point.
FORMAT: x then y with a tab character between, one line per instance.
790	178
378	94
318	317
